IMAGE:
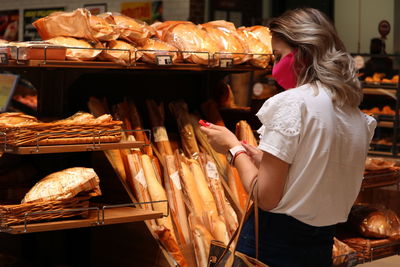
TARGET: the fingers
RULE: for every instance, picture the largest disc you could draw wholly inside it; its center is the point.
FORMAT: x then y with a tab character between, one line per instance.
250	148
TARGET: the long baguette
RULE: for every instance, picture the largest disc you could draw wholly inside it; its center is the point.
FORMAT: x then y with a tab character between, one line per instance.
157	193
180	110
202	187
224	208
138	180
245	133
195	203
201	240
170	244
172	181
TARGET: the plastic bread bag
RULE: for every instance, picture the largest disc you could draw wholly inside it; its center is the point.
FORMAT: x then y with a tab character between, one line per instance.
374	221
160	48
261	51
224	34
71	24
189	37
64	184
376	164
102	30
131	30
341	252
121	52
74	53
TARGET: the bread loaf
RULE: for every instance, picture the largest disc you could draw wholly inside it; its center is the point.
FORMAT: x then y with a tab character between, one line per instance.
74	53
64	184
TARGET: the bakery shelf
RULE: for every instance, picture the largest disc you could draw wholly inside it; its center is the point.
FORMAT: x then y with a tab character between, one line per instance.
41	149
386	124
95	218
380	91
112	65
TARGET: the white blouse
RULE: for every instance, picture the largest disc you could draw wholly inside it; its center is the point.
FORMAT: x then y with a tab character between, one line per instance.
326	147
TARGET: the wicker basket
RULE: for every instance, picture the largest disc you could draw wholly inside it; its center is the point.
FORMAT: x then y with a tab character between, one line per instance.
48	210
372	249
60	134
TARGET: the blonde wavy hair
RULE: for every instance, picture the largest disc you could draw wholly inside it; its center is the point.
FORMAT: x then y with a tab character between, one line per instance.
321	55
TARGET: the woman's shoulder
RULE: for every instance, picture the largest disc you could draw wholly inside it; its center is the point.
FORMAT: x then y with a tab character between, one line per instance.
291	96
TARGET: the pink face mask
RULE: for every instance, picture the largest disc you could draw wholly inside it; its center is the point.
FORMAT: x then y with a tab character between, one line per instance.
283	72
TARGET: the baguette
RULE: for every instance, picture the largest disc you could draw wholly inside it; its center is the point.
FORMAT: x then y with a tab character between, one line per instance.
202	187
172	180
166	238
157	193
194	201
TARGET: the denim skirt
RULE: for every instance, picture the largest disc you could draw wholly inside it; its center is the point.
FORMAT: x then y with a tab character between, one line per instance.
287	242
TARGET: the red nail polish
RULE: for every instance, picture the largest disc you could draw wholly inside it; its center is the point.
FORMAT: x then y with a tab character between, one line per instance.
204	123
244	142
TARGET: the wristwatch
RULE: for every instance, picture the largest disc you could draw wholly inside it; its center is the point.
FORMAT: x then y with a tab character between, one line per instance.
230	156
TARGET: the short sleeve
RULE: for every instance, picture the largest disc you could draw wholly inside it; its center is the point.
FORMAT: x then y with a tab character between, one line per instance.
371	122
281	125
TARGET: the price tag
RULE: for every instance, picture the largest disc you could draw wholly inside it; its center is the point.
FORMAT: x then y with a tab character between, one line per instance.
211	170
141	179
176	180
258	88
3	58
359	62
226	62
163	60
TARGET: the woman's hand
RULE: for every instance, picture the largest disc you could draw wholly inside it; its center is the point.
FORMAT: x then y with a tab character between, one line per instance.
220	138
254	153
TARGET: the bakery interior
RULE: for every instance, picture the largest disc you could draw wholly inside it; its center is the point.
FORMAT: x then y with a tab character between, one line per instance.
108	94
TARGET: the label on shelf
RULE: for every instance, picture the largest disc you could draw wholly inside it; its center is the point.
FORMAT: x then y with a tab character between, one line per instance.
258	88
226	62
211	170
164	60
160	134
3	58
176	180
141	179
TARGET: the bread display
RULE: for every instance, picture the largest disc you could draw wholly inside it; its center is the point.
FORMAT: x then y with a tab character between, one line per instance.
378	77
102	30
80	128
68	24
374	222
120	52
12	119
130	29
73	52
160	48
64	184
224	34
341	252
255	38
190	37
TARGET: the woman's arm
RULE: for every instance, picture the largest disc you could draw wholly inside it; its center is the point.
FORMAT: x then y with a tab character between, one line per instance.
271	175
271	178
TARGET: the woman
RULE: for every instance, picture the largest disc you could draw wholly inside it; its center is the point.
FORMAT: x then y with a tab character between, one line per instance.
313	144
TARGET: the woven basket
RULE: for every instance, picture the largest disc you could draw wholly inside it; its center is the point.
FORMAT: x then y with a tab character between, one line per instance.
61	134
372	249
15	214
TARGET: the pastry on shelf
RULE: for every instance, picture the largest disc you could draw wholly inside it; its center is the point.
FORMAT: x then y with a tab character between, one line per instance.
64	185
374	221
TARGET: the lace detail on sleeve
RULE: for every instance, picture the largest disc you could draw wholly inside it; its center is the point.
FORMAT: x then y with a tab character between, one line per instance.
282	113
371	122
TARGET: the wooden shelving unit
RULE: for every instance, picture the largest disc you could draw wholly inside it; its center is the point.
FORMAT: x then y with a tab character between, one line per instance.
112	65
111	216
24	150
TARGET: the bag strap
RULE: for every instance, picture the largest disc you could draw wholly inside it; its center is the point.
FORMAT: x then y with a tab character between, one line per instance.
236	234
256	221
